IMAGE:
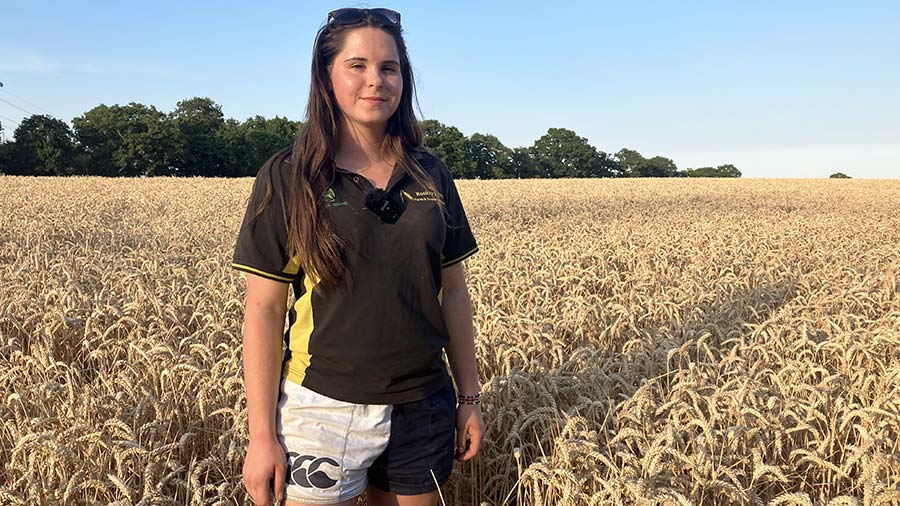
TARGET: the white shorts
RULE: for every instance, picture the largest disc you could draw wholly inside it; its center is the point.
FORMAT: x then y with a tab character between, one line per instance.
335	449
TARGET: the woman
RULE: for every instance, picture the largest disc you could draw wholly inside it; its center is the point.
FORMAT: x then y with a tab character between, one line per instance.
369	230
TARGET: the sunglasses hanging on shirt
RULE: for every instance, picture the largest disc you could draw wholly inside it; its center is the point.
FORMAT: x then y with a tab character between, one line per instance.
382	204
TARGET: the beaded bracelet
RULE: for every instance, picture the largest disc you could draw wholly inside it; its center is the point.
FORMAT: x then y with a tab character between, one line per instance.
469	399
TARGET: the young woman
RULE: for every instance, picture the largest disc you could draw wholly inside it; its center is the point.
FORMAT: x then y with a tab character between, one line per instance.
369	230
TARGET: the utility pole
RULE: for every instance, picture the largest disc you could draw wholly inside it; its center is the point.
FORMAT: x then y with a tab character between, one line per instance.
2	137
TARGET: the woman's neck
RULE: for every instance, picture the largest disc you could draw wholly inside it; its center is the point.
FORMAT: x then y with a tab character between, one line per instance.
360	148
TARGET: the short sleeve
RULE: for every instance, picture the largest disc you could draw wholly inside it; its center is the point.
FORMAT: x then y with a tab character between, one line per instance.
459	242
262	242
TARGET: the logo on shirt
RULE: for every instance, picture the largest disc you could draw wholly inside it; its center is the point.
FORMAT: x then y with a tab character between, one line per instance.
310	475
331	199
423	196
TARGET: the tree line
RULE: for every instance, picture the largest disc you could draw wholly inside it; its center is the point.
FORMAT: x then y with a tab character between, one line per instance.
197	140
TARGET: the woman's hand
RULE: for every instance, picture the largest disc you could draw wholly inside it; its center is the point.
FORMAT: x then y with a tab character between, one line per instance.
265	459
469	425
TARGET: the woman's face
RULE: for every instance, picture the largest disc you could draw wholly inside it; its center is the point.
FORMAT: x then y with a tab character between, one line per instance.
367	68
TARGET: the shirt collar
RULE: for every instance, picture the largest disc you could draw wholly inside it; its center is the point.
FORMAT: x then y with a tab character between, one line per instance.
396	176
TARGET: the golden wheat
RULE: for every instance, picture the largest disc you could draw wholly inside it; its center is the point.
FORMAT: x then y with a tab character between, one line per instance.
703	342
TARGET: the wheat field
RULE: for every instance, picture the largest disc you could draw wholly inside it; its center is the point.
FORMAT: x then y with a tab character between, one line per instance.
647	342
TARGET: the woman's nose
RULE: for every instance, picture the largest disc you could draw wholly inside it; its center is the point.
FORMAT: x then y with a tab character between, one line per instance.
375	78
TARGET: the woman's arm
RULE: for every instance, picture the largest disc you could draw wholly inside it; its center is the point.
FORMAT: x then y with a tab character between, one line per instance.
263	328
457	309
262	355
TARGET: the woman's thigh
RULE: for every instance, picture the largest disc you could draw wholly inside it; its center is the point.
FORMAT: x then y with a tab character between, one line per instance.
288	502
377	497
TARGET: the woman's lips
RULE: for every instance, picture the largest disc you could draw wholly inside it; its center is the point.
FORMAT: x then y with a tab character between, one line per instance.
373	100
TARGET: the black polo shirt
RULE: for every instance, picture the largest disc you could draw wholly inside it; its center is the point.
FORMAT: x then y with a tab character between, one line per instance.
383	341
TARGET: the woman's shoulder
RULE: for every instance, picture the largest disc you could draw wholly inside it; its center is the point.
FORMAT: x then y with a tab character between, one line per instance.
277	170
280	160
431	163
423	154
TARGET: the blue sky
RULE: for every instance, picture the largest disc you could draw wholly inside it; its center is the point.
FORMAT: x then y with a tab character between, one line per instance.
779	89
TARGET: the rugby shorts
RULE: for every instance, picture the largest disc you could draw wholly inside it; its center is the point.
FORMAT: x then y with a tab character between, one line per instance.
335	449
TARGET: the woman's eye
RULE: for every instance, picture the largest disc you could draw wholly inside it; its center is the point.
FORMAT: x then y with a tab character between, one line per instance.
390	69
355	66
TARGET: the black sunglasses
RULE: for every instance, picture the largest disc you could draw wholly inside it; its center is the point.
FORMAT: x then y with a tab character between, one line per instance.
352	16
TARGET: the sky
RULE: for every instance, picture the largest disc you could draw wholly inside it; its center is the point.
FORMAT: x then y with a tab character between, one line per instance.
796	89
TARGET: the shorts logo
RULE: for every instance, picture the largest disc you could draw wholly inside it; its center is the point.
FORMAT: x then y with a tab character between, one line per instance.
309	476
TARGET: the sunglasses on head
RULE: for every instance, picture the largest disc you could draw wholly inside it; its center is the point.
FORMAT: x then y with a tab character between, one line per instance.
352	16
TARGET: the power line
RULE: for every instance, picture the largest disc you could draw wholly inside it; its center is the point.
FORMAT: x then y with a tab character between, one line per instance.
25	101
9	119
4	130
17	107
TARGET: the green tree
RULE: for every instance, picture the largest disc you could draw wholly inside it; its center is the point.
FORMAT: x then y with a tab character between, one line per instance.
7	157
726	170
839	175
562	153
492	159
523	164
700	172
44	147
129	140
630	162
232	138
198	149
658	166
98	134
633	164
449	144
606	165
265	137
246	146
279	125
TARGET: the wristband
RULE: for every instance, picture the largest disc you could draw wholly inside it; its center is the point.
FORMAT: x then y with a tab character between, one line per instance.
469	399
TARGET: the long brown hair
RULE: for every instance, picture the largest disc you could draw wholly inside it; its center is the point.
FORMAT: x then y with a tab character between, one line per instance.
313	241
